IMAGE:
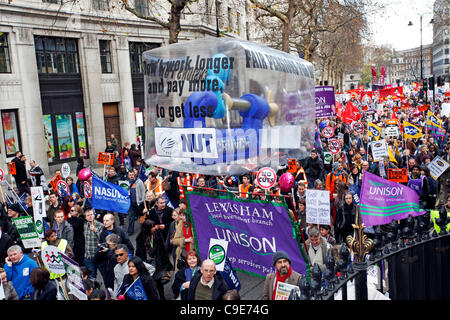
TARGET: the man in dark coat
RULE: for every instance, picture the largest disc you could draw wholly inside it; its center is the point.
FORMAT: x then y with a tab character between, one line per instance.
21	176
161	215
206	284
314	168
5	243
109	227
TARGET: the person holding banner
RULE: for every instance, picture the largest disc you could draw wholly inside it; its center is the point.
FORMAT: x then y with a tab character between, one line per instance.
284	273
137	271
51	239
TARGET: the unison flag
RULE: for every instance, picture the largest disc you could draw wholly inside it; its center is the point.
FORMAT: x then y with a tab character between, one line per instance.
254	229
383	200
108	196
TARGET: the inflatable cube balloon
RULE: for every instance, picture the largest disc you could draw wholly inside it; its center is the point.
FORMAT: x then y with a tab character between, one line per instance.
286	182
221	106
84	174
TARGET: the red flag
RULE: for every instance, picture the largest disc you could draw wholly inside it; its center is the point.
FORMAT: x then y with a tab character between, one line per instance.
339	109
374	75
351	113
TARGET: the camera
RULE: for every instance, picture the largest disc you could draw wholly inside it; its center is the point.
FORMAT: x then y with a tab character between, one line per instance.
103	245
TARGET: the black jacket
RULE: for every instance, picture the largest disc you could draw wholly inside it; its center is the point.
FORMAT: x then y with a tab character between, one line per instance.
21	172
124	239
155	254
109	261
166	219
49	292
147	282
5	243
219	286
314	168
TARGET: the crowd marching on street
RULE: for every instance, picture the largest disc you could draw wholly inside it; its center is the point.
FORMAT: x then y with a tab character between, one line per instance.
164	251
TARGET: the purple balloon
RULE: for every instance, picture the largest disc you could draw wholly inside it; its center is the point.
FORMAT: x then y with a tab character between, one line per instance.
286	182
84	174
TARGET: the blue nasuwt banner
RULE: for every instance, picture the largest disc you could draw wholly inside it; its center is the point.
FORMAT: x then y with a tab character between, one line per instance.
108	196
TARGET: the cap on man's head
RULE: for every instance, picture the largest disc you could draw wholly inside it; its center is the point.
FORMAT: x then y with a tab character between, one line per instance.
15	207
280	255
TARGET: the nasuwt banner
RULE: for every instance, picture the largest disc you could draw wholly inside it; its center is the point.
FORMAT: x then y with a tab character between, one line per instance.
383	200
108	196
325	102
254	229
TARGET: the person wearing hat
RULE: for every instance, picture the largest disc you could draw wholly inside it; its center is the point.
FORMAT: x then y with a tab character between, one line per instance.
335	174
284	273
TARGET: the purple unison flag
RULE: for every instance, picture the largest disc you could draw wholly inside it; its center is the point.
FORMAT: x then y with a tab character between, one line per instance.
383	200
325	101
254	229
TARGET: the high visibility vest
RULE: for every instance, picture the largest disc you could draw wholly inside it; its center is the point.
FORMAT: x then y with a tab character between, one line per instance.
186	181
243	191
302	175
62	245
434	214
158	190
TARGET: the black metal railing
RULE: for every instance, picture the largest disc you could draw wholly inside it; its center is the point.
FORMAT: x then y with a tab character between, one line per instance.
413	258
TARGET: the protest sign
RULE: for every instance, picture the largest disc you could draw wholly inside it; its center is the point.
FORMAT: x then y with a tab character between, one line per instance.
437	167
292	166
266	178
38	201
392	131
325	101
383	200
335	146
62	188
12	168
74	280
397	175
105	158
65	170
327	156
358	127
328	132
2	174
51	257
109	196
379	150
217	252
27	231
283	290
318	206
54	182
87	189
254	229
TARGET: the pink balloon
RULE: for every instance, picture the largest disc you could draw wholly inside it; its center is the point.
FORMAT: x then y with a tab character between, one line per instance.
286	181
84	174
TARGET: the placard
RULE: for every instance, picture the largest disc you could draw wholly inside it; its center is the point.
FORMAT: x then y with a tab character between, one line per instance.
51	257
437	167
217	252
392	131
27	231
283	290
335	146
65	170
12	168
327	156
292	166
105	158
398	175
54	182
38	201
328	132
379	150
318	206
74	280
266	178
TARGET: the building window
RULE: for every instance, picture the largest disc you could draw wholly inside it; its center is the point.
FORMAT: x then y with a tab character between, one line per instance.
136	51
105	56
56	55
11	131
62	140
5	64
141	6
101	4
230	20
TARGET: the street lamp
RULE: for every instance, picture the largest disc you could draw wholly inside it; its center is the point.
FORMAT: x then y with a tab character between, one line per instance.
421	48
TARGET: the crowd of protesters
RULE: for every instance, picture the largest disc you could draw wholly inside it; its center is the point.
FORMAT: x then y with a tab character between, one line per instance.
164	252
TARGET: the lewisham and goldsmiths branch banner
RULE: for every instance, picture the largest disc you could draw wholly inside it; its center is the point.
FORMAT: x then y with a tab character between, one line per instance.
254	229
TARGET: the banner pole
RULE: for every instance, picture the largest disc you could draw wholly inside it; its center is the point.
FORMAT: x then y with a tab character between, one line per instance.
64	288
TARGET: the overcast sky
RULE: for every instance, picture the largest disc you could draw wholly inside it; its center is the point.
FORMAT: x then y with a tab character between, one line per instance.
390	26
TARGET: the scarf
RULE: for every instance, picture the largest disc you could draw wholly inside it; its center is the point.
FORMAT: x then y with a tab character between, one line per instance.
187	233
280	278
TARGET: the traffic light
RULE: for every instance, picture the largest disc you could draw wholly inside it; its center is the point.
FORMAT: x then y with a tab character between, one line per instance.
425	85
431	83
440	81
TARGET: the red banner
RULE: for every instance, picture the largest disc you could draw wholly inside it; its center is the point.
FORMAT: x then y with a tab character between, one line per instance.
374	75
351	113
397	92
